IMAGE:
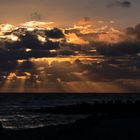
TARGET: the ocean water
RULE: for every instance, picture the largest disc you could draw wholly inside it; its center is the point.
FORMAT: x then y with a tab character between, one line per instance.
14	108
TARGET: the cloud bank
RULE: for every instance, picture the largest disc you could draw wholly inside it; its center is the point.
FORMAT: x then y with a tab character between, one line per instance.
107	40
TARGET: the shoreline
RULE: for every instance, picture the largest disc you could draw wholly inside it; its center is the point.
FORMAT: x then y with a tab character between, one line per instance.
112	121
89	128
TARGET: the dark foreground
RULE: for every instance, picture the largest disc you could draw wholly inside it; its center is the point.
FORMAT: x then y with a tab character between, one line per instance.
88	129
110	120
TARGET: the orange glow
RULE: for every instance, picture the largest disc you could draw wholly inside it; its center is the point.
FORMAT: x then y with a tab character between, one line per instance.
14	38
73	38
70	59
33	24
42	39
97	30
6	27
112	36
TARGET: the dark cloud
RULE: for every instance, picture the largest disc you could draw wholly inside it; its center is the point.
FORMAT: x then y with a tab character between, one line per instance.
130	45
29	39
124	4
119	49
133	32
14	50
55	33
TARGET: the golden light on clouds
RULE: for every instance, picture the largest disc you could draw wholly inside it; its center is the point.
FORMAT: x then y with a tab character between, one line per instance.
42	39
6	27
73	38
28	50
14	38
112	36
96	30
33	24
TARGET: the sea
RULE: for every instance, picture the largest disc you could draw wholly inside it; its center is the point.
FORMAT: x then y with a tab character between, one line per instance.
15	114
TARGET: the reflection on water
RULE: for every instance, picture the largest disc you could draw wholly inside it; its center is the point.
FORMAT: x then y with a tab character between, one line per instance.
22	120
71	74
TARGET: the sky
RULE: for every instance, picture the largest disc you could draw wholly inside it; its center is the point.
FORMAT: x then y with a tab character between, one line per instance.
125	13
